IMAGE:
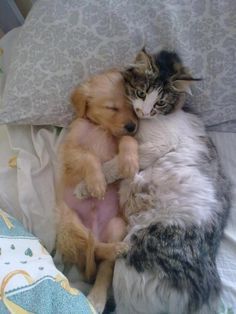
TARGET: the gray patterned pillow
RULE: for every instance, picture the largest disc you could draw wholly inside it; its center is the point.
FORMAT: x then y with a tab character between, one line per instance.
62	42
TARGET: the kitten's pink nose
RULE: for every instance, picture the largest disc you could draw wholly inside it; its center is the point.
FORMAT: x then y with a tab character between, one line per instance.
139	112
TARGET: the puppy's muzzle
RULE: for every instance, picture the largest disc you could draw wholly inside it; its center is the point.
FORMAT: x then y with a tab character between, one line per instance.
131	127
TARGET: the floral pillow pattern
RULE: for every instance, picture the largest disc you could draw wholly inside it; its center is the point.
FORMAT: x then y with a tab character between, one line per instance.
63	42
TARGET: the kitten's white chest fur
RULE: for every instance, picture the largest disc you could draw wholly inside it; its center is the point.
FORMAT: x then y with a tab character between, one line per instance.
180	189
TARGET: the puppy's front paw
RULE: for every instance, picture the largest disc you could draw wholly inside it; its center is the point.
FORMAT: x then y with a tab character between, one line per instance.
128	166
121	249
96	185
81	191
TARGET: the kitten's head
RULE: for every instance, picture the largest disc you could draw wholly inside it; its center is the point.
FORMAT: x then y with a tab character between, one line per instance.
156	84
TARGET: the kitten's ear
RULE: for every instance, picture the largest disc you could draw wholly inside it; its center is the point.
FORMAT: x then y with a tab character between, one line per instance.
182	86
144	63
182	83
127	75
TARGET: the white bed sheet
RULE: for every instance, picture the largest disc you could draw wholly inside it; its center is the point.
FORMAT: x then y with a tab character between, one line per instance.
27	190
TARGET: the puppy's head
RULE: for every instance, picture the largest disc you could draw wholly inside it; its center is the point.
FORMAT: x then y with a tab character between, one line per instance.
102	100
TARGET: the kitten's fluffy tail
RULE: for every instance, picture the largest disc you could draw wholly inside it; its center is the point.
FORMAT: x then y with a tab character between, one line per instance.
181	257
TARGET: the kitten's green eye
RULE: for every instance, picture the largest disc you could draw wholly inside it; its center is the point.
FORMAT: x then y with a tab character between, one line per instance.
140	93
161	103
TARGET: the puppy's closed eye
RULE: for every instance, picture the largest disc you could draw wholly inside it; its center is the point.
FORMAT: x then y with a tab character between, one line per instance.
112	108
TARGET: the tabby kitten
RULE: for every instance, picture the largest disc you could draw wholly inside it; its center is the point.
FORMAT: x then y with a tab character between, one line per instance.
156	84
176	206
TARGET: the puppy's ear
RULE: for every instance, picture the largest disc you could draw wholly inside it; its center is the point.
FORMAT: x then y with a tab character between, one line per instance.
79	101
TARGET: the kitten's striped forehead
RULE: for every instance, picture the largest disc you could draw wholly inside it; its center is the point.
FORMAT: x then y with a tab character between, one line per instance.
155	84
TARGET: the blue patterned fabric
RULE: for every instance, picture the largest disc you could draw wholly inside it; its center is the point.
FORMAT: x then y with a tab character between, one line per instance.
29	281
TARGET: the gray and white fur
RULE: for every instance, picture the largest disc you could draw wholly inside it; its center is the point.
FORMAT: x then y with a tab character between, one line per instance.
176	206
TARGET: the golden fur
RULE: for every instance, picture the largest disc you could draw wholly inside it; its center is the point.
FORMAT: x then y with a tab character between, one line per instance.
102	101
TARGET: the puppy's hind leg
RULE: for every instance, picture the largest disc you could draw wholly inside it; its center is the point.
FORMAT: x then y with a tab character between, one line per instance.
115	231
98	294
90	265
74	240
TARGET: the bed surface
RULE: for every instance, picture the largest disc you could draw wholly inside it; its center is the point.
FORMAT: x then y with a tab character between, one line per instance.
27	180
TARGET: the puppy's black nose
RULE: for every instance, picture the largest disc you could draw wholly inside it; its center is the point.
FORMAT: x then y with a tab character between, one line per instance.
130	127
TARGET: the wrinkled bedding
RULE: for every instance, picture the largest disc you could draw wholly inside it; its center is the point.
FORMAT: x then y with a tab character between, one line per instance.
27	181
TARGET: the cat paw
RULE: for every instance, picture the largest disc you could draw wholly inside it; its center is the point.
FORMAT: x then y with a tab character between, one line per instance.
81	191
144	201
139	202
128	166
98	300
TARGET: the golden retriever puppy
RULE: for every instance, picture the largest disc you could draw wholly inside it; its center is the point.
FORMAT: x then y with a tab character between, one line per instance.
90	230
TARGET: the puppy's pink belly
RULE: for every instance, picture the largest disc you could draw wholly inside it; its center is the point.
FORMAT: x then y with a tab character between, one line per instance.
95	214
